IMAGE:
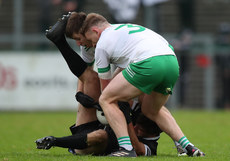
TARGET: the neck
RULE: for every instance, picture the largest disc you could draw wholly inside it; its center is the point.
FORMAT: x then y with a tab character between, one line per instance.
105	26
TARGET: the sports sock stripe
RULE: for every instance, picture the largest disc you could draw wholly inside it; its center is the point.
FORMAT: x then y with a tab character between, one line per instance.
184	142
125	142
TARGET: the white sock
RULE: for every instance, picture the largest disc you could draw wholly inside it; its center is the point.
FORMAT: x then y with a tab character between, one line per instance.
125	142
184	142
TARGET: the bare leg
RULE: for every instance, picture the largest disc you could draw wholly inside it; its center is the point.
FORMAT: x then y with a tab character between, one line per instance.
112	113
90	85
97	142
108	100
119	89
152	108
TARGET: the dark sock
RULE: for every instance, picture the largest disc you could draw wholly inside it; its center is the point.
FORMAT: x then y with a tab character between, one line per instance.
73	141
74	61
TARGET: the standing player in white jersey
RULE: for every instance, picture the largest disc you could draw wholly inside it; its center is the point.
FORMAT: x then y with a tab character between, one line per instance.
82	128
87	51
150	68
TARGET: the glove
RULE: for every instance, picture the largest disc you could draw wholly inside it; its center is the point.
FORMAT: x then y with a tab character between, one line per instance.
87	101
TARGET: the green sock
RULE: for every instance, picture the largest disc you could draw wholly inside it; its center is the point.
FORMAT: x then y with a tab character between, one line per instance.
184	142
125	142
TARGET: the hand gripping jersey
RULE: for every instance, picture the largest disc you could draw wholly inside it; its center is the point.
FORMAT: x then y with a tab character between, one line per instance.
122	44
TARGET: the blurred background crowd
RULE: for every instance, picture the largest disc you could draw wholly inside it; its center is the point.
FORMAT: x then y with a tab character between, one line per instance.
199	30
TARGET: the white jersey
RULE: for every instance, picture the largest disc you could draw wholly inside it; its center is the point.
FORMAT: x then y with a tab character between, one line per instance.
88	54
122	44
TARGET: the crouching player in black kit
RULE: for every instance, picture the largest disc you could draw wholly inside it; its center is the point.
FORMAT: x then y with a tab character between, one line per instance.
98	139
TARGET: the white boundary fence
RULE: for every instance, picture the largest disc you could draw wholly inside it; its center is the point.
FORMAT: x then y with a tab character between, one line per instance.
36	81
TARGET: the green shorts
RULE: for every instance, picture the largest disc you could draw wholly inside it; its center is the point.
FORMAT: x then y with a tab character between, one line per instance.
158	73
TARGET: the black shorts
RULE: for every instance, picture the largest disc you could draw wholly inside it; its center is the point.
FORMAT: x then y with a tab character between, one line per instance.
86	128
151	144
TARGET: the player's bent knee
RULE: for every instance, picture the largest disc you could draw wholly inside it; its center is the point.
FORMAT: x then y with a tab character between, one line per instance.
102	100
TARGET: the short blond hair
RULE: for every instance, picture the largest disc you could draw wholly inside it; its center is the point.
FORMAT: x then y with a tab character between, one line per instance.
92	19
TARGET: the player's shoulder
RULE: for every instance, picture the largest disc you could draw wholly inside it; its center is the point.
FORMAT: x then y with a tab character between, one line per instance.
112	29
110	35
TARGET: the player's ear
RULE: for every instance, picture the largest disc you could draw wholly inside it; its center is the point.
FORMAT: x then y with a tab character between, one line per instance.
95	30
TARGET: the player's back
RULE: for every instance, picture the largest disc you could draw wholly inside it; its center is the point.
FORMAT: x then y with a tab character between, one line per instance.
127	43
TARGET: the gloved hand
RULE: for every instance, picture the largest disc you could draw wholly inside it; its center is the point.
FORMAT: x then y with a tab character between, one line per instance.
89	102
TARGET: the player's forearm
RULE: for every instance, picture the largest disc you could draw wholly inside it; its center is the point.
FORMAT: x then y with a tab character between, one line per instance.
117	71
104	83
137	145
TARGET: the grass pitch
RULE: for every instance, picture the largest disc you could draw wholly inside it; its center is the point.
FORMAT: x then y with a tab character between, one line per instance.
209	131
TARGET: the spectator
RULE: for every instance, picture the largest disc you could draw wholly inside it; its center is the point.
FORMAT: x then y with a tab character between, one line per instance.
46	8
73	5
152	14
183	42
123	11
44	20
186	14
223	65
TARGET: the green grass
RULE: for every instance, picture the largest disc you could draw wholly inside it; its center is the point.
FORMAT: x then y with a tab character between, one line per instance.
210	131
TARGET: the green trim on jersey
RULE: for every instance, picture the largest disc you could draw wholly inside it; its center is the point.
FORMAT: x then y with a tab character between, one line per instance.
158	73
87	48
91	64
104	70
171	47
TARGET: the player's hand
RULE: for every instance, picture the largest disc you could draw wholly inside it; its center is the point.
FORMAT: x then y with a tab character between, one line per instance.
89	102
